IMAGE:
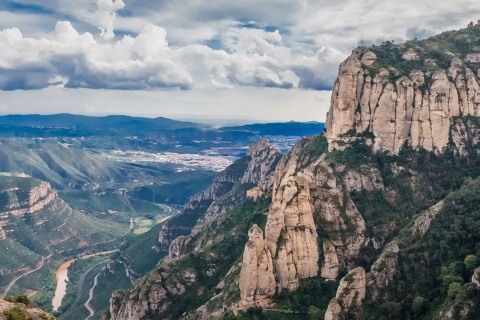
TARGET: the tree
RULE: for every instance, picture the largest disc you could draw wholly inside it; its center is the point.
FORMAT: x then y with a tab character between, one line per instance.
470	24
419	306
314	313
391	309
471	262
454	289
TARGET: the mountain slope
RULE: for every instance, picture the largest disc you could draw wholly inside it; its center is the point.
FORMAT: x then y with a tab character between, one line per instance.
39	230
348	206
186	233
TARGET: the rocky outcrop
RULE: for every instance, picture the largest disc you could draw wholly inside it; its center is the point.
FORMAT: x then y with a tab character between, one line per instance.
307	191
350	294
30	313
205	212
256	282
264	157
256	168
330	261
422	223
418	108
476	277
3	236
38	198
364	178
384	269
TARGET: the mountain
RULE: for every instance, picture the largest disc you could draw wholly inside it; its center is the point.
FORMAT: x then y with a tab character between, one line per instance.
38	230
186	232
421	93
278	129
114	122
376	218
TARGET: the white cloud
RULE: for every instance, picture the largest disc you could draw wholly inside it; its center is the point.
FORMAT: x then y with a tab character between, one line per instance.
106	15
203	45
143	62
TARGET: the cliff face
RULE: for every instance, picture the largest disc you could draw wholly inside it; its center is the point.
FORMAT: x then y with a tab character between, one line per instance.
19	204
420	108
350	295
308	194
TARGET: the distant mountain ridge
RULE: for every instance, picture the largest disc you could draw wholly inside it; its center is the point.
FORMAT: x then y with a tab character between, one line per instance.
291	128
67	120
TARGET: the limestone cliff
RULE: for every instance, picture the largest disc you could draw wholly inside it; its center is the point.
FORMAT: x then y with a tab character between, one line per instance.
308	194
418	105
350	294
256	278
38	197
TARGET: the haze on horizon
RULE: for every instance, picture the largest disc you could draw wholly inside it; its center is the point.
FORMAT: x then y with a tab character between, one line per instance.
207	61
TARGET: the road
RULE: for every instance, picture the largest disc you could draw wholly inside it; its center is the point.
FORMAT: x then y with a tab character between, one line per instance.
81	282
10	285
90	297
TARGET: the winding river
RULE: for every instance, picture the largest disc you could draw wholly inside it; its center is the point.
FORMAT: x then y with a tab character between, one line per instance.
62	278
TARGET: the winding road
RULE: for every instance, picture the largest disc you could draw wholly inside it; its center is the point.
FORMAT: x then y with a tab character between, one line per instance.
10	285
90	297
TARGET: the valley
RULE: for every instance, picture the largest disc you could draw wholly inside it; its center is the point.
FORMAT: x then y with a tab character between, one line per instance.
67	201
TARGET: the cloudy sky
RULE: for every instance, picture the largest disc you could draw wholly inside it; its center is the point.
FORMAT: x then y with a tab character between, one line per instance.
269	60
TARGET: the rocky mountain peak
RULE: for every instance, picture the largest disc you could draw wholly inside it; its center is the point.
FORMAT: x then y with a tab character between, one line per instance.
263	158
413	93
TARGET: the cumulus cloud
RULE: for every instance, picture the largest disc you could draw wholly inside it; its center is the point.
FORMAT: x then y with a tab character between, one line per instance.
280	44
106	15
251	57
142	62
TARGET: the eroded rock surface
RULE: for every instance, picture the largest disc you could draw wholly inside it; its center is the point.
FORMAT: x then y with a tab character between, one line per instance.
404	111
350	294
256	282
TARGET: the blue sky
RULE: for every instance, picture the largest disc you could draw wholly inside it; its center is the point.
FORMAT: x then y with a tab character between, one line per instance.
269	60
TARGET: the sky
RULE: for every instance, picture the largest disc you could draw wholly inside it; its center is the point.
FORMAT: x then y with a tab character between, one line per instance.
205	60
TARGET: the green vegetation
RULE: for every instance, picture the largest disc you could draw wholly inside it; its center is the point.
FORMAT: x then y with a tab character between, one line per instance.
16	314
180	188
435	270
312	297
23	299
441	49
260	314
75	273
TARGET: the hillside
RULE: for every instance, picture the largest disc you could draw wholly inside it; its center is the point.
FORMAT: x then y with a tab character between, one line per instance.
374	219
38	230
66	168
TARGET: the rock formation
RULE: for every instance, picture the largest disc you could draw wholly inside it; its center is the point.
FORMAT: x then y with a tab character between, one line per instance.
257	283
476	277
263	157
350	294
383	269
305	191
153	293
417	108
30	313
3	236
422	223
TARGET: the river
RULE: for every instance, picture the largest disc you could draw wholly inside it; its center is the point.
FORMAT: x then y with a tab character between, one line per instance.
62	278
